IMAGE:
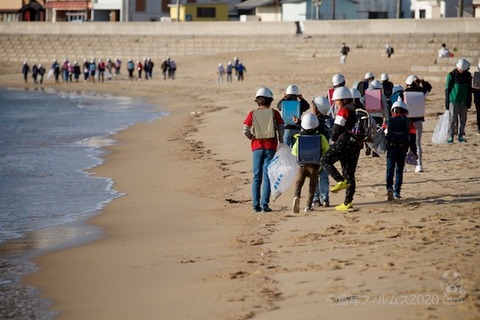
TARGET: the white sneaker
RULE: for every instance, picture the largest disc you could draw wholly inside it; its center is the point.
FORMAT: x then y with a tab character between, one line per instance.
418	169
296	205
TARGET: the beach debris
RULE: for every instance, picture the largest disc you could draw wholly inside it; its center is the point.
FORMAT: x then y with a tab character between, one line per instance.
237	275
187	261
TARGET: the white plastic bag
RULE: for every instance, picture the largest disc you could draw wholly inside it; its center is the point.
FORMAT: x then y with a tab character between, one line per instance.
441	129
282	170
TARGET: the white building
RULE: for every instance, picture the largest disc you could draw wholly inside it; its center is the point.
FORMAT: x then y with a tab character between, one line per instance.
434	9
143	10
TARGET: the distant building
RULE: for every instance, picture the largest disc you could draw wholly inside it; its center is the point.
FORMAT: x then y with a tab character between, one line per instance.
425	9
22	10
68	10
199	12
300	10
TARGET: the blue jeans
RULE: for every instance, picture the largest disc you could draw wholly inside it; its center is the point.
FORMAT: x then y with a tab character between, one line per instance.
323	187
395	165
288	138
261	160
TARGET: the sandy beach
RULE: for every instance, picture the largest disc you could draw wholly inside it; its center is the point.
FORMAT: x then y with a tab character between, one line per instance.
183	242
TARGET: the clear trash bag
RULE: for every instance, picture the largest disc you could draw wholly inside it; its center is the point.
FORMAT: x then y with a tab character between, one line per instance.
282	170
440	132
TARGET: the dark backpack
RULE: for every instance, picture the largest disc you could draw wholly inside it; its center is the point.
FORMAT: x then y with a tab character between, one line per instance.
387	89
309	149
398	134
361	86
365	127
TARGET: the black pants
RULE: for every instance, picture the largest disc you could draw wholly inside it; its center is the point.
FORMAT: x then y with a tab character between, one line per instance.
477	106
347	152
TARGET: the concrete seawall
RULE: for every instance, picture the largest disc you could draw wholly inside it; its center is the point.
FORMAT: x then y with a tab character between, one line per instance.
330	27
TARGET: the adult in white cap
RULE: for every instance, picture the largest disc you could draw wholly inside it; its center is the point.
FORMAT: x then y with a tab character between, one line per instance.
264	128
417	84
292	92
458	99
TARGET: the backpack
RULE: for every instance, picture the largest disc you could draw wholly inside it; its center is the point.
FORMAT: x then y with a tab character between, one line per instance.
398	134
361	85
309	149
476	80
365	127
263	124
387	89
290	108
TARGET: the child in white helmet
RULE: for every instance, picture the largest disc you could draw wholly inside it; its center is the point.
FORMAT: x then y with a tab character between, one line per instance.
345	148
322	107
309	126
264	129
292	93
387	88
416	84
400	133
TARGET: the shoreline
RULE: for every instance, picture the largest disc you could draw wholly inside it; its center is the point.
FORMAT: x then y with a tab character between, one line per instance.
184	243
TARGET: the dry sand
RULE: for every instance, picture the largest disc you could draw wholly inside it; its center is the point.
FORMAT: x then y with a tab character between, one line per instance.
183	242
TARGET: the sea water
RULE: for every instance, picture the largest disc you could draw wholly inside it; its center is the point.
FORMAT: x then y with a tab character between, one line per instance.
47	142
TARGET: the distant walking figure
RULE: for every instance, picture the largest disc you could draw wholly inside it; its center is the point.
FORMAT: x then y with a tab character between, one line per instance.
344	51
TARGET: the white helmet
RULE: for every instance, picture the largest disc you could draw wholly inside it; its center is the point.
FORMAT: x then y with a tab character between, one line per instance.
375	85
338	79
399	104
396	88
411	78
355	93
309	121
369	75
292	89
478	66
463	64
264	92
342	93
384	77
322	104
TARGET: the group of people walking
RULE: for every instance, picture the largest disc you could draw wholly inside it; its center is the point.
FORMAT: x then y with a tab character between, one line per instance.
92	70
333	129
234	69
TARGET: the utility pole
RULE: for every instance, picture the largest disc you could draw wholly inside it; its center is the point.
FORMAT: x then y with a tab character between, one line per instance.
333	9
319	3
276	10
460	8
399	9
86	10
178	10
